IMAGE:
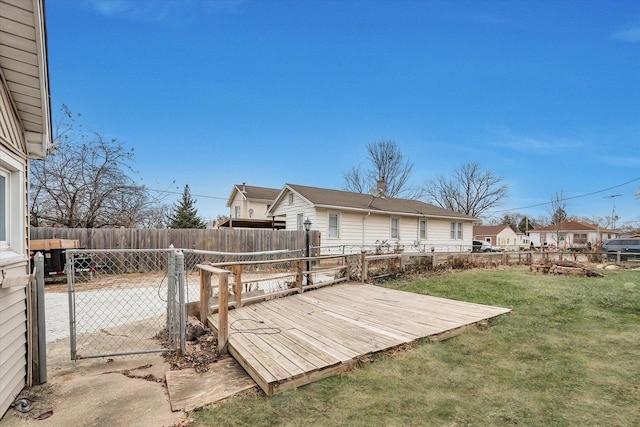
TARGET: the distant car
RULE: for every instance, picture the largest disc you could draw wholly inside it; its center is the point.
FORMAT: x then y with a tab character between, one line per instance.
481	246
629	249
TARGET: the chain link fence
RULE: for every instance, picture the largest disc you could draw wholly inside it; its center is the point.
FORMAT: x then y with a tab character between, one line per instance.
121	301
135	301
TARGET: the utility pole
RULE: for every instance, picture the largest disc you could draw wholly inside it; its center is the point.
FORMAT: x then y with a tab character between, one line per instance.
613	209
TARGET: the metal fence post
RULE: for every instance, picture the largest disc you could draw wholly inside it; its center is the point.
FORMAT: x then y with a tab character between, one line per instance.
42	329
181	305
171	296
72	304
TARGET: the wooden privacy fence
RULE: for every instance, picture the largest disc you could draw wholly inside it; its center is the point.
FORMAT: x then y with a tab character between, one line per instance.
221	240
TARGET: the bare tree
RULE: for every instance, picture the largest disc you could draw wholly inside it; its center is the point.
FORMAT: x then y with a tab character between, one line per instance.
386	163
558	215
470	190
558	207
88	183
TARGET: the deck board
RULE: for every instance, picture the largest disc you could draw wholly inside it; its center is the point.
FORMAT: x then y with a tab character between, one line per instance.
291	341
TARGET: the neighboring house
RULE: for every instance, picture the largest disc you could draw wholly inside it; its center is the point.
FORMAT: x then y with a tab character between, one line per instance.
571	234
353	221
25	133
502	236
248	206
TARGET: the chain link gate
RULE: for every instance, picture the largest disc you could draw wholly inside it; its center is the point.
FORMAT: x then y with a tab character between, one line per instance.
124	302
134	301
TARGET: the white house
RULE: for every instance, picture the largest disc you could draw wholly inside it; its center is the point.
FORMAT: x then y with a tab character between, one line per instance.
571	234
353	222
25	133
503	236
248	206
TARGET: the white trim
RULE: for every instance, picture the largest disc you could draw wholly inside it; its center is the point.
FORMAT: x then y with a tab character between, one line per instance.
300	221
426	234
13	247
391	219
337	215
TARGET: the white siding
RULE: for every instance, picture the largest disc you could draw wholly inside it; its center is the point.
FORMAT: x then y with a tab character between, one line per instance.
13	344
507	239
291	211
259	208
358	230
14	262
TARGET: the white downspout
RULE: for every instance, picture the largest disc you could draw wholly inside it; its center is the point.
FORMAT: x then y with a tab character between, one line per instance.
363	218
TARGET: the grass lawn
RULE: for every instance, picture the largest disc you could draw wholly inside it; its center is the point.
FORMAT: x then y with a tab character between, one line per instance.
568	355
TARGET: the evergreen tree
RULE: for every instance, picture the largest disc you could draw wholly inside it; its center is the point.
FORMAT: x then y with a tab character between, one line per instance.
526	224
185	214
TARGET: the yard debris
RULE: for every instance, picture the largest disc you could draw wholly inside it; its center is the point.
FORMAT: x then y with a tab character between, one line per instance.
195	328
201	350
568	268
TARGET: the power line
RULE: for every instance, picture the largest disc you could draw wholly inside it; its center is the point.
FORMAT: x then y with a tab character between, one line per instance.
195	195
569	198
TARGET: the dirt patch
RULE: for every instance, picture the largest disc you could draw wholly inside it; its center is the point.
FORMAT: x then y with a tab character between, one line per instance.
201	351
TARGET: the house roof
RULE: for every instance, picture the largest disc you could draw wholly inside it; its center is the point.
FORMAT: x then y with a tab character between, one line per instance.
572	226
24	69
345	200
490	230
253	193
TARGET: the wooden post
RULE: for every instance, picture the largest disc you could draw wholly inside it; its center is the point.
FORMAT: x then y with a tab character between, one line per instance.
237	289
205	295
433	258
618	258
299	277
363	263
223	312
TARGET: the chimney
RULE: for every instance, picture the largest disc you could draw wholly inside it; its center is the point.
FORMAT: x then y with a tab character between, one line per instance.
382	187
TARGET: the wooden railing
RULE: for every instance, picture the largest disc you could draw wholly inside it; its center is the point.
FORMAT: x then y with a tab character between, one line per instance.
309	273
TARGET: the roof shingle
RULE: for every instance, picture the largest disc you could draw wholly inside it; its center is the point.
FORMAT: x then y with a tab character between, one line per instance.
327	198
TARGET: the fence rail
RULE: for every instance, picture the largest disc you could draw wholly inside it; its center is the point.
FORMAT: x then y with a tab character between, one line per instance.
295	275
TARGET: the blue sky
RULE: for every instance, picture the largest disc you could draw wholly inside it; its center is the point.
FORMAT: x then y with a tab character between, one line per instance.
545	94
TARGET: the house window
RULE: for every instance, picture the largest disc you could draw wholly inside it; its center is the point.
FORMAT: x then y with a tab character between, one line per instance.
580	239
333	225
422	229
395	228
237	212
12	209
456	231
290	198
300	222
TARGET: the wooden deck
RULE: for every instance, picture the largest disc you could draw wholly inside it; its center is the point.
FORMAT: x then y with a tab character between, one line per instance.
288	342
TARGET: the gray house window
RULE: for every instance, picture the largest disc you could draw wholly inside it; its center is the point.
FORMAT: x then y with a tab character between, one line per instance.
300	222
395	228
456	231
334	225
422	229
